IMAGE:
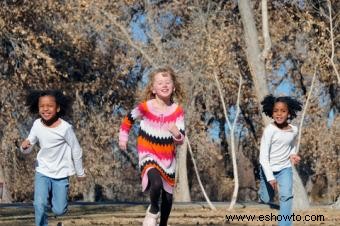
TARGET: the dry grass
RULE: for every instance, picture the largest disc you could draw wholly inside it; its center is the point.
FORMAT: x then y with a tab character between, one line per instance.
182	214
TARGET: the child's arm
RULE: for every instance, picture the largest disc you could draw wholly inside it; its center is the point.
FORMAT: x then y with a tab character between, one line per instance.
178	129
77	152
126	125
294	158
26	146
264	155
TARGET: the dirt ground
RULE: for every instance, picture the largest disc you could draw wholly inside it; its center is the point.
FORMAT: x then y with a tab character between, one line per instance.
85	214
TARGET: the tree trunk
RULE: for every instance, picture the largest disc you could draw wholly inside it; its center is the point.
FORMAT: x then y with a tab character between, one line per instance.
182	193
256	64
4	195
258	73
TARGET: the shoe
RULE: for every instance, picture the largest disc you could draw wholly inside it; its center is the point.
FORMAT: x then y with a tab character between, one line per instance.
60	224
150	218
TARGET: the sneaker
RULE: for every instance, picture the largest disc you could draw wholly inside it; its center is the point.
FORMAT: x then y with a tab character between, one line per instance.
150	218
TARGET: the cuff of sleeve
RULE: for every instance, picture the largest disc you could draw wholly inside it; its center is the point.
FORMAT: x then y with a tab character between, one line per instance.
270	177
123	137
81	174
179	139
26	151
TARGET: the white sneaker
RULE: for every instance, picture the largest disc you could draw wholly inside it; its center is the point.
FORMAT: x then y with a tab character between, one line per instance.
150	218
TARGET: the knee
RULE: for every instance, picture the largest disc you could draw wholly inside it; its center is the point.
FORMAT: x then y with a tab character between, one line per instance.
59	211
285	197
40	204
156	185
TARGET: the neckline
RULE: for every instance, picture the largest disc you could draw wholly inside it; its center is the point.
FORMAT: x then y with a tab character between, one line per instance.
45	126
290	129
169	109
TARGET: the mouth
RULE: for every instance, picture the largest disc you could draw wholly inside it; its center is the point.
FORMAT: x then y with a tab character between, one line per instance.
46	115
279	120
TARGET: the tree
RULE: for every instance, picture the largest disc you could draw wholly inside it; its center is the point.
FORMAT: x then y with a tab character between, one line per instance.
257	69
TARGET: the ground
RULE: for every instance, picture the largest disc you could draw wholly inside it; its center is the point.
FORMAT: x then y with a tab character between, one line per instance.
85	214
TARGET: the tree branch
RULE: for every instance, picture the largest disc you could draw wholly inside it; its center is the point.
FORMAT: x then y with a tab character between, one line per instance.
233	149
198	176
304	111
128	38
332	40
265	31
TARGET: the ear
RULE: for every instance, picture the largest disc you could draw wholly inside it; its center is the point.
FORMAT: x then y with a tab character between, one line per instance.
58	109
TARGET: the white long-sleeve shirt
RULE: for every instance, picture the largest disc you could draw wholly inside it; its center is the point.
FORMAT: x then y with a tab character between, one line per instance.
60	154
276	147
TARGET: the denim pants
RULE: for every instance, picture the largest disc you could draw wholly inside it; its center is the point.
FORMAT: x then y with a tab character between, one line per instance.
48	190
284	179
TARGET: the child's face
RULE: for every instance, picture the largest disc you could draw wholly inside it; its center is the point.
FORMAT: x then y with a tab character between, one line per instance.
163	86
48	107
280	112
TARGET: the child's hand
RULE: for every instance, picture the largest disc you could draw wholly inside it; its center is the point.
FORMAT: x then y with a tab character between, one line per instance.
174	130
295	159
273	183
25	144
123	145
81	178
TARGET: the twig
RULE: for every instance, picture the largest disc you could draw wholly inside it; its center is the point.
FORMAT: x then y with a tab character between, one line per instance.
304	111
198	176
332	40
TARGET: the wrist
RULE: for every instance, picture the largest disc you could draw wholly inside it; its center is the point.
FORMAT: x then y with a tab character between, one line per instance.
178	138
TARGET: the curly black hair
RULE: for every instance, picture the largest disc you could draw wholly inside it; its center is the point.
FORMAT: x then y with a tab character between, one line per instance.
64	102
292	104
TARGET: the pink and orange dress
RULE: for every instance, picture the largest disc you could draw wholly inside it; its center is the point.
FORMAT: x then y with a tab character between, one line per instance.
155	144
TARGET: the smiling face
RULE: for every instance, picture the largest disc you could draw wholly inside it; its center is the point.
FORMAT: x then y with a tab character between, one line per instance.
163	86
280	113
48	107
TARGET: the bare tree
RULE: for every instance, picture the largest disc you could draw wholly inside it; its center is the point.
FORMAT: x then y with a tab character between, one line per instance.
232	135
256	64
258	73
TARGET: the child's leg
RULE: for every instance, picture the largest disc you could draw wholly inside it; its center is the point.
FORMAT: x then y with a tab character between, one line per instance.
155	186
285	182
266	192
59	195
42	186
165	207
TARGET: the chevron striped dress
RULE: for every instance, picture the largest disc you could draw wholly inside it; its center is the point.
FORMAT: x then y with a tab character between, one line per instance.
155	144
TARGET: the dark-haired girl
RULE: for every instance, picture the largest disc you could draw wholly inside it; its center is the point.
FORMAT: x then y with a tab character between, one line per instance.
277	154
60	154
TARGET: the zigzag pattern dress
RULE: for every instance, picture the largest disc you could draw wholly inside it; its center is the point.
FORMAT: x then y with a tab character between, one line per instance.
155	144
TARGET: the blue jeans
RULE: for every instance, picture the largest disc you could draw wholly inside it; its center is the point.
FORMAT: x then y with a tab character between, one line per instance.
284	179
48	189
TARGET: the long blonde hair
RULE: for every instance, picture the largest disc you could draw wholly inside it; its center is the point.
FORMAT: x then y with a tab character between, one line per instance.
177	94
